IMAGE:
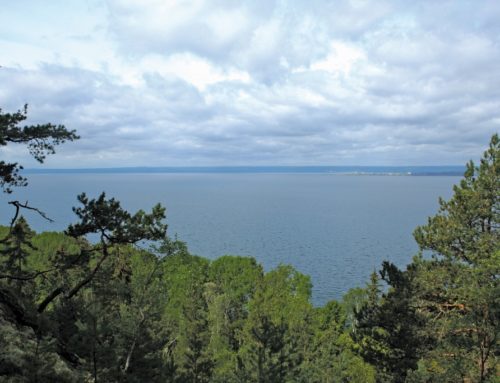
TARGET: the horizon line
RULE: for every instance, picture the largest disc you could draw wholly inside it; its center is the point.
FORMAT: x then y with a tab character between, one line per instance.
244	166
304	169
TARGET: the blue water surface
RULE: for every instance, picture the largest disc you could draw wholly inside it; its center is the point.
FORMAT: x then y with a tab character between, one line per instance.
336	228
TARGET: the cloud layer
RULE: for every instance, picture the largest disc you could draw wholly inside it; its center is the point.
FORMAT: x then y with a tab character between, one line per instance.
167	83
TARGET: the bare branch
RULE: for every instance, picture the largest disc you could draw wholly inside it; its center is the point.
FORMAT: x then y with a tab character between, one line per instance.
18	205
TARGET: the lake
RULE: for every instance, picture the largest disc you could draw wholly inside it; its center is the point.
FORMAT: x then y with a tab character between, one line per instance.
336	228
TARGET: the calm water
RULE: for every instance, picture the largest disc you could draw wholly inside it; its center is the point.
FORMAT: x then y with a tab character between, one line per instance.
335	228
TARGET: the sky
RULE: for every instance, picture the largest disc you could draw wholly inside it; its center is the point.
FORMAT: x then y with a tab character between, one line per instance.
262	82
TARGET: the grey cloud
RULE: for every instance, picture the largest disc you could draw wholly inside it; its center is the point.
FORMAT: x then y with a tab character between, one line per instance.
270	33
426	91
168	122
186	29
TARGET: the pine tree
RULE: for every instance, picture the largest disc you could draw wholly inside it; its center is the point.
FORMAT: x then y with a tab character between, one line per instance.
16	247
458	288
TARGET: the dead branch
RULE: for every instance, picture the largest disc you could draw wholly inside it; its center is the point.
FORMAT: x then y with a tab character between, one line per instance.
18	205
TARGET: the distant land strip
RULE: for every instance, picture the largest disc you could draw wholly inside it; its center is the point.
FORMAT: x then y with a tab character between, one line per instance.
334	170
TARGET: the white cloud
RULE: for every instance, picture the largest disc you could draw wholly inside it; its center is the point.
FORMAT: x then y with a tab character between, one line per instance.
195	70
264	82
341	58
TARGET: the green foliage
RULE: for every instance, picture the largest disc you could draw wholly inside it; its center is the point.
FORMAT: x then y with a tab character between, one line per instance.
352	302
276	330
186	316
115	225
439	320
96	309
16	246
389	329
41	141
183	318
331	355
232	284
458	287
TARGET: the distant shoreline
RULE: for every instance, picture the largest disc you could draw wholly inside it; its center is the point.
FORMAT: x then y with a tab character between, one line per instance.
333	170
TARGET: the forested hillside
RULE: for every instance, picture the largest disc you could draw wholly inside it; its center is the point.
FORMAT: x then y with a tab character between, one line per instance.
114	299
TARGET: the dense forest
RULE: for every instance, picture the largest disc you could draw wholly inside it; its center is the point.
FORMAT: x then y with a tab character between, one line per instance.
114	299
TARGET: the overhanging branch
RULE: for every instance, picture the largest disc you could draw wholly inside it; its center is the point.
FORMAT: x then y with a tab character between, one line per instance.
18	205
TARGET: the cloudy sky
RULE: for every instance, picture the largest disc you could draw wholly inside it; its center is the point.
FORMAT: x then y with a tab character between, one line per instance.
261	82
